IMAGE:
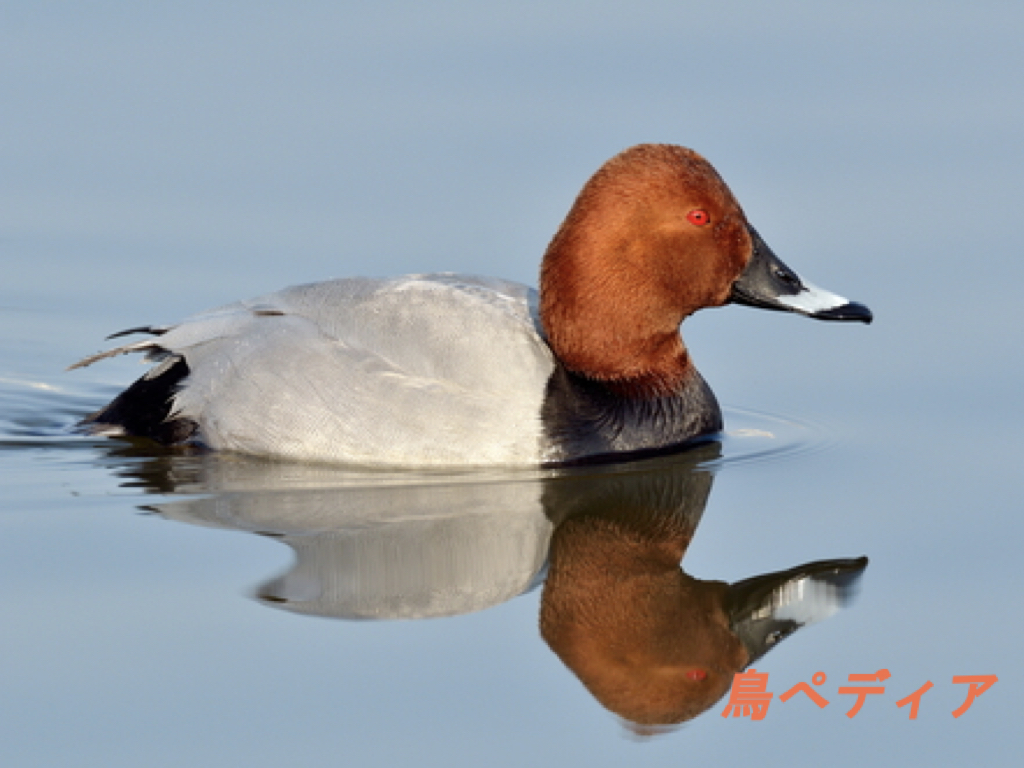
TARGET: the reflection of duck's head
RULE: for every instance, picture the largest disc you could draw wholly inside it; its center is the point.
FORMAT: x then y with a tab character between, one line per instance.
655	650
651	643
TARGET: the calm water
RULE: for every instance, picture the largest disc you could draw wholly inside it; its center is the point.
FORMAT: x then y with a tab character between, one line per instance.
166	609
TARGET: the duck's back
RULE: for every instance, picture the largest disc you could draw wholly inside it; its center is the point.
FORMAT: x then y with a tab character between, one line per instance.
424	369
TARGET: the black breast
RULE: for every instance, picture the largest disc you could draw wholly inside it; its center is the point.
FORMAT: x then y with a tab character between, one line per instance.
584	422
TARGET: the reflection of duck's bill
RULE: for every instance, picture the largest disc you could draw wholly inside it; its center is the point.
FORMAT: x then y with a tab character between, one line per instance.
764	610
767	283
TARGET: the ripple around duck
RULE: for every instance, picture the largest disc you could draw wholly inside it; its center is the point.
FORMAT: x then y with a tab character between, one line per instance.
756	436
41	416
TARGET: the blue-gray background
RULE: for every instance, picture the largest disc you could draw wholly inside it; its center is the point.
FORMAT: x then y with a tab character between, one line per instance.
162	158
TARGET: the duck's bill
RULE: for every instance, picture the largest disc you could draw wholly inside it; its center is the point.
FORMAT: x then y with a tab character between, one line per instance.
767	283
766	609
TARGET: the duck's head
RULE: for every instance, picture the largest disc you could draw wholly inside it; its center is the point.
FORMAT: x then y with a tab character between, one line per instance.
654	236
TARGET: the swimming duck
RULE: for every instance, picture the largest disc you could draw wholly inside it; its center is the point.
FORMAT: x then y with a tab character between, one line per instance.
448	370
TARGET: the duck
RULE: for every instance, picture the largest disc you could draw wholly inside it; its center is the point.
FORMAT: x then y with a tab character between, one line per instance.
450	370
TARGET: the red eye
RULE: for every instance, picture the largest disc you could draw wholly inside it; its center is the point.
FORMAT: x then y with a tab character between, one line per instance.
698	216
696	675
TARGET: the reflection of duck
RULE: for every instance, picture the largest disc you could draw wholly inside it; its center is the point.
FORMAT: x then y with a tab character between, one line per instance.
649	641
379	546
459	370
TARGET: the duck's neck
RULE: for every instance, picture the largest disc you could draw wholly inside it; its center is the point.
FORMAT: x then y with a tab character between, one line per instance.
626	339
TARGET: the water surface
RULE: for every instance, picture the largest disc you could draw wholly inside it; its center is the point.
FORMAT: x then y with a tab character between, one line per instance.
167	609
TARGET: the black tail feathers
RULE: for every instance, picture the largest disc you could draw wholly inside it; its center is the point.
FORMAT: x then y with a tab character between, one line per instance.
143	410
